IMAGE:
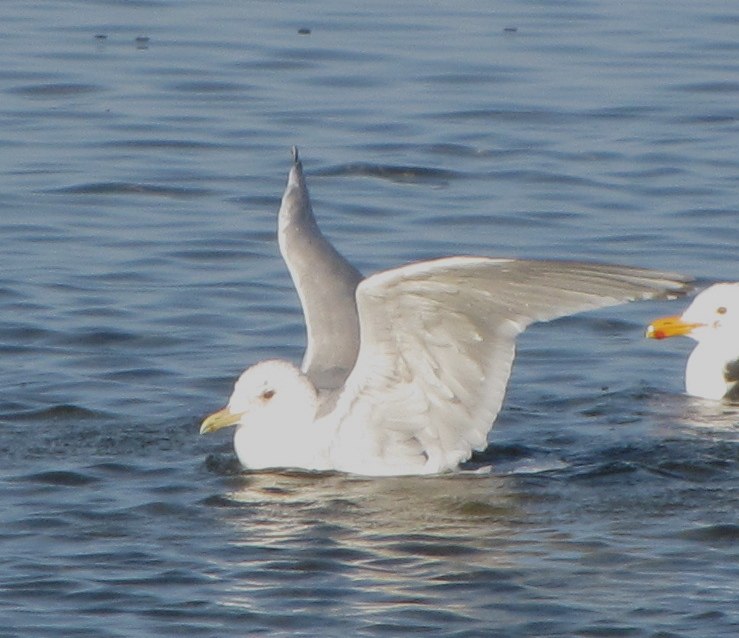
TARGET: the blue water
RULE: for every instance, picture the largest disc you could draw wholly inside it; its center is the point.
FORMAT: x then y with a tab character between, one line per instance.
144	148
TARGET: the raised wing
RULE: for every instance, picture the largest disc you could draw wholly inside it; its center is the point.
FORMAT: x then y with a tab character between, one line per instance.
437	345
325	283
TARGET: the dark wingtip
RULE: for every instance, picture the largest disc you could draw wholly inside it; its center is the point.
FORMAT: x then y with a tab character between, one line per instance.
296	157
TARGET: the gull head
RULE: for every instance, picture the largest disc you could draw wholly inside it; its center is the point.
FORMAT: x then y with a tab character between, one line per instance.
273	393
713	315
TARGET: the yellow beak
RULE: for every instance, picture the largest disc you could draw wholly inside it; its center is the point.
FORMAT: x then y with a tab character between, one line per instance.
218	420
674	326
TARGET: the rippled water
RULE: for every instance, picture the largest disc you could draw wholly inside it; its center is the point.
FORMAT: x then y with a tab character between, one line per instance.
145	146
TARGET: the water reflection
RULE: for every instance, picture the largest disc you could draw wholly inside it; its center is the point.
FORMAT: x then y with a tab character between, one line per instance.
453	506
697	417
387	547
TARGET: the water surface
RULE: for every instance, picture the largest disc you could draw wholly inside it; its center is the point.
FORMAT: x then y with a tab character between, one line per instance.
145	146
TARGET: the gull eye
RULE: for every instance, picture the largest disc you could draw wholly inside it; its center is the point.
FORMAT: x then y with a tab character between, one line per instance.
267	395
721	310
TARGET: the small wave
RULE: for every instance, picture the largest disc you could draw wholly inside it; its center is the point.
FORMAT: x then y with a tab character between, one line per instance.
114	468
60	412
131	188
679	459
721	88
55	90
98	337
403	174
212	86
158	143
519	115
63	478
605	469
712	534
220	501
10	294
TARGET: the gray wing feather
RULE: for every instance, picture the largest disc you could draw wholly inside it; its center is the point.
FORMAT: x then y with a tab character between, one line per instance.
325	282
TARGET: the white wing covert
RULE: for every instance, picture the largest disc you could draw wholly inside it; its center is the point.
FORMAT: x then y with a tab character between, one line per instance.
437	345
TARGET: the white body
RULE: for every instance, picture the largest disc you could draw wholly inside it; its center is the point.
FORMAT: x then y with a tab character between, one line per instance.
714	314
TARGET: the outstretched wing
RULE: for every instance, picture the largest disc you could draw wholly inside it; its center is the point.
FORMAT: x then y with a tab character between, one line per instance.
437	345
325	282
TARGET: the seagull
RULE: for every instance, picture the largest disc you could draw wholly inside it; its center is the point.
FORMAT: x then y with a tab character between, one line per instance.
712	371
404	371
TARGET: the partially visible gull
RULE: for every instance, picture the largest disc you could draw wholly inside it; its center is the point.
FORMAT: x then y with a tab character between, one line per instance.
404	371
712	371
